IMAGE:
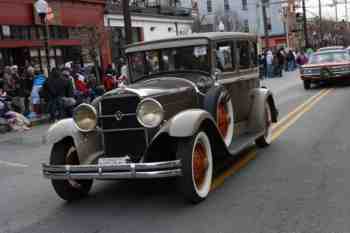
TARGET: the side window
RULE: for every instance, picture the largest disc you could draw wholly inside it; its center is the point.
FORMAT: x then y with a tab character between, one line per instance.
254	53
244	57
225	59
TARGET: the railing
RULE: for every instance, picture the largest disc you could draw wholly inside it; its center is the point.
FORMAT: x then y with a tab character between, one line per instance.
163	7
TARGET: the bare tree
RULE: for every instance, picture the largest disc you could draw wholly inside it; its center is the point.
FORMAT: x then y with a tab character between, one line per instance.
92	39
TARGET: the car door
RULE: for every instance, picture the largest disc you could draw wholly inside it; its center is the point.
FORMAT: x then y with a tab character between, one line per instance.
226	65
233	60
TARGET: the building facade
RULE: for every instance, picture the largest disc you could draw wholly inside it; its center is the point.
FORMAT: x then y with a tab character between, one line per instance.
151	19
244	15
22	34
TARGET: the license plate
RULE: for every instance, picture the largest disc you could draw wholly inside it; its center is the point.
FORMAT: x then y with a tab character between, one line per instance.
113	161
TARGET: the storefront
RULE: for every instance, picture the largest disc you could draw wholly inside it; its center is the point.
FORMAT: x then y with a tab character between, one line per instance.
22	37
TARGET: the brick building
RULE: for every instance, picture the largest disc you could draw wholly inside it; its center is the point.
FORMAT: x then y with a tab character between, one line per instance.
21	36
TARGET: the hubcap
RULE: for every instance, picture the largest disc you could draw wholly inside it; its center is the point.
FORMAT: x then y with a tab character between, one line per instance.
200	164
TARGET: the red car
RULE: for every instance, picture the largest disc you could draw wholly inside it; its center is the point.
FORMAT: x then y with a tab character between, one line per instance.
326	66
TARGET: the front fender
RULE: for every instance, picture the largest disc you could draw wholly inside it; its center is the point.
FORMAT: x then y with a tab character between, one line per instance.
259	97
186	123
88	145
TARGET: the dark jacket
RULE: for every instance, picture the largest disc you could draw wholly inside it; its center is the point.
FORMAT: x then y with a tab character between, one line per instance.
57	86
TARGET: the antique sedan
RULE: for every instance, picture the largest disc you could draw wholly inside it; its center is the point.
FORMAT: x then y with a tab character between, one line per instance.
326	66
191	101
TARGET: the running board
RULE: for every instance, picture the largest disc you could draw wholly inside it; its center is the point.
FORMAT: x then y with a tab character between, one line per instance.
242	142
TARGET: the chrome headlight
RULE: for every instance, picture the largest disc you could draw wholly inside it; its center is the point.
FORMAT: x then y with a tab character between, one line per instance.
85	117
150	113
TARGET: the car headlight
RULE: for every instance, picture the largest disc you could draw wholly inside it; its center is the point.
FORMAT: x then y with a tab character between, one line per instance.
150	113
85	117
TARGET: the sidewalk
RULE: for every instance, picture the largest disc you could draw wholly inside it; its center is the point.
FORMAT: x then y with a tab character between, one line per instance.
278	85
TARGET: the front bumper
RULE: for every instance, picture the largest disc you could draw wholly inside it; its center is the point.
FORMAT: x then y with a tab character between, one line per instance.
121	171
334	76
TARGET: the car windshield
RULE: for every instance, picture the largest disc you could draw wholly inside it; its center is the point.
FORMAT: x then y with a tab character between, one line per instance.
329	57
145	63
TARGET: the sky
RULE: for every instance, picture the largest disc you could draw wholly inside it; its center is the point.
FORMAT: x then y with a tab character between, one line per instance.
327	10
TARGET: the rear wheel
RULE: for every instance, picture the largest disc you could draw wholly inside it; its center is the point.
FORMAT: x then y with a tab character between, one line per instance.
265	140
197	167
307	84
65	153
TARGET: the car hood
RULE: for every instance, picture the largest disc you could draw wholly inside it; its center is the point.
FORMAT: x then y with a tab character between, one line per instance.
326	64
155	87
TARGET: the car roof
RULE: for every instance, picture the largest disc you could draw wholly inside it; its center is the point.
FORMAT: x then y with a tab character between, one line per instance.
188	40
331	48
330	51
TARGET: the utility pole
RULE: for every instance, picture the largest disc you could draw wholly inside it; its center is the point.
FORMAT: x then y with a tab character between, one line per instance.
320	15
346	12
127	22
335	3
266	29
306	36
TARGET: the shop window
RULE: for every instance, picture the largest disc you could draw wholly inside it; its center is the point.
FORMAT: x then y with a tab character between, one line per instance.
225	58
20	32
244	54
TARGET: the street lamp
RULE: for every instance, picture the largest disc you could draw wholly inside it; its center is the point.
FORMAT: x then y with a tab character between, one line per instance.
42	8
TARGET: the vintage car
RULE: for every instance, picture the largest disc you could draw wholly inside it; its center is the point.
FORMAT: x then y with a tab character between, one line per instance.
330	48
191	102
326	66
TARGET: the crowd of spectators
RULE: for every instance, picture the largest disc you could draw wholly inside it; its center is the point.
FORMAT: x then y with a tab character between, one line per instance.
274	62
28	94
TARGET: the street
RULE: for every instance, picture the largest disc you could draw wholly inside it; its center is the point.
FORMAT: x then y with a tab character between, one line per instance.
298	184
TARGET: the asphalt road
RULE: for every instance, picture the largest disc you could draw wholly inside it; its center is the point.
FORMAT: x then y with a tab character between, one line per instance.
298	184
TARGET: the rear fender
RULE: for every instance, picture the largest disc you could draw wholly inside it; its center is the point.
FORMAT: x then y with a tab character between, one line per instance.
260	96
88	145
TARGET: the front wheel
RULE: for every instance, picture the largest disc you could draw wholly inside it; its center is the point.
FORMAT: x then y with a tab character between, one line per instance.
65	153
197	167
266	138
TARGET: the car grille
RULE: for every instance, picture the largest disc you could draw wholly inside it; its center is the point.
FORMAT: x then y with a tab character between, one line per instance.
122	134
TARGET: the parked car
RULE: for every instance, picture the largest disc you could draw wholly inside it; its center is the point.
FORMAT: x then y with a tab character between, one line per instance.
326	66
192	101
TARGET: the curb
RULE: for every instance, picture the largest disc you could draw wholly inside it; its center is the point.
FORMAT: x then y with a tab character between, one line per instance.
40	121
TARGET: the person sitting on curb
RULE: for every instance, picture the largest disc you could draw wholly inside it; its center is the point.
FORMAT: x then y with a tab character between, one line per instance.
16	121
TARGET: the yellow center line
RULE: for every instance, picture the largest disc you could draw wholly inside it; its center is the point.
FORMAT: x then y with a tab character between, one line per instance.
298	109
278	130
277	133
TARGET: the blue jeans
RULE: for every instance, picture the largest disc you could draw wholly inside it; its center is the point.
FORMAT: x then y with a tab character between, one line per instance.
56	108
269	72
291	66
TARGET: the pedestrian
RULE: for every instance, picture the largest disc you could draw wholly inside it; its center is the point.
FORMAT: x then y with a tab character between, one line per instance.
302	59
280	62
109	82
290	61
69	102
269	63
124	74
38	82
8	83
16	121
28	86
54	90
